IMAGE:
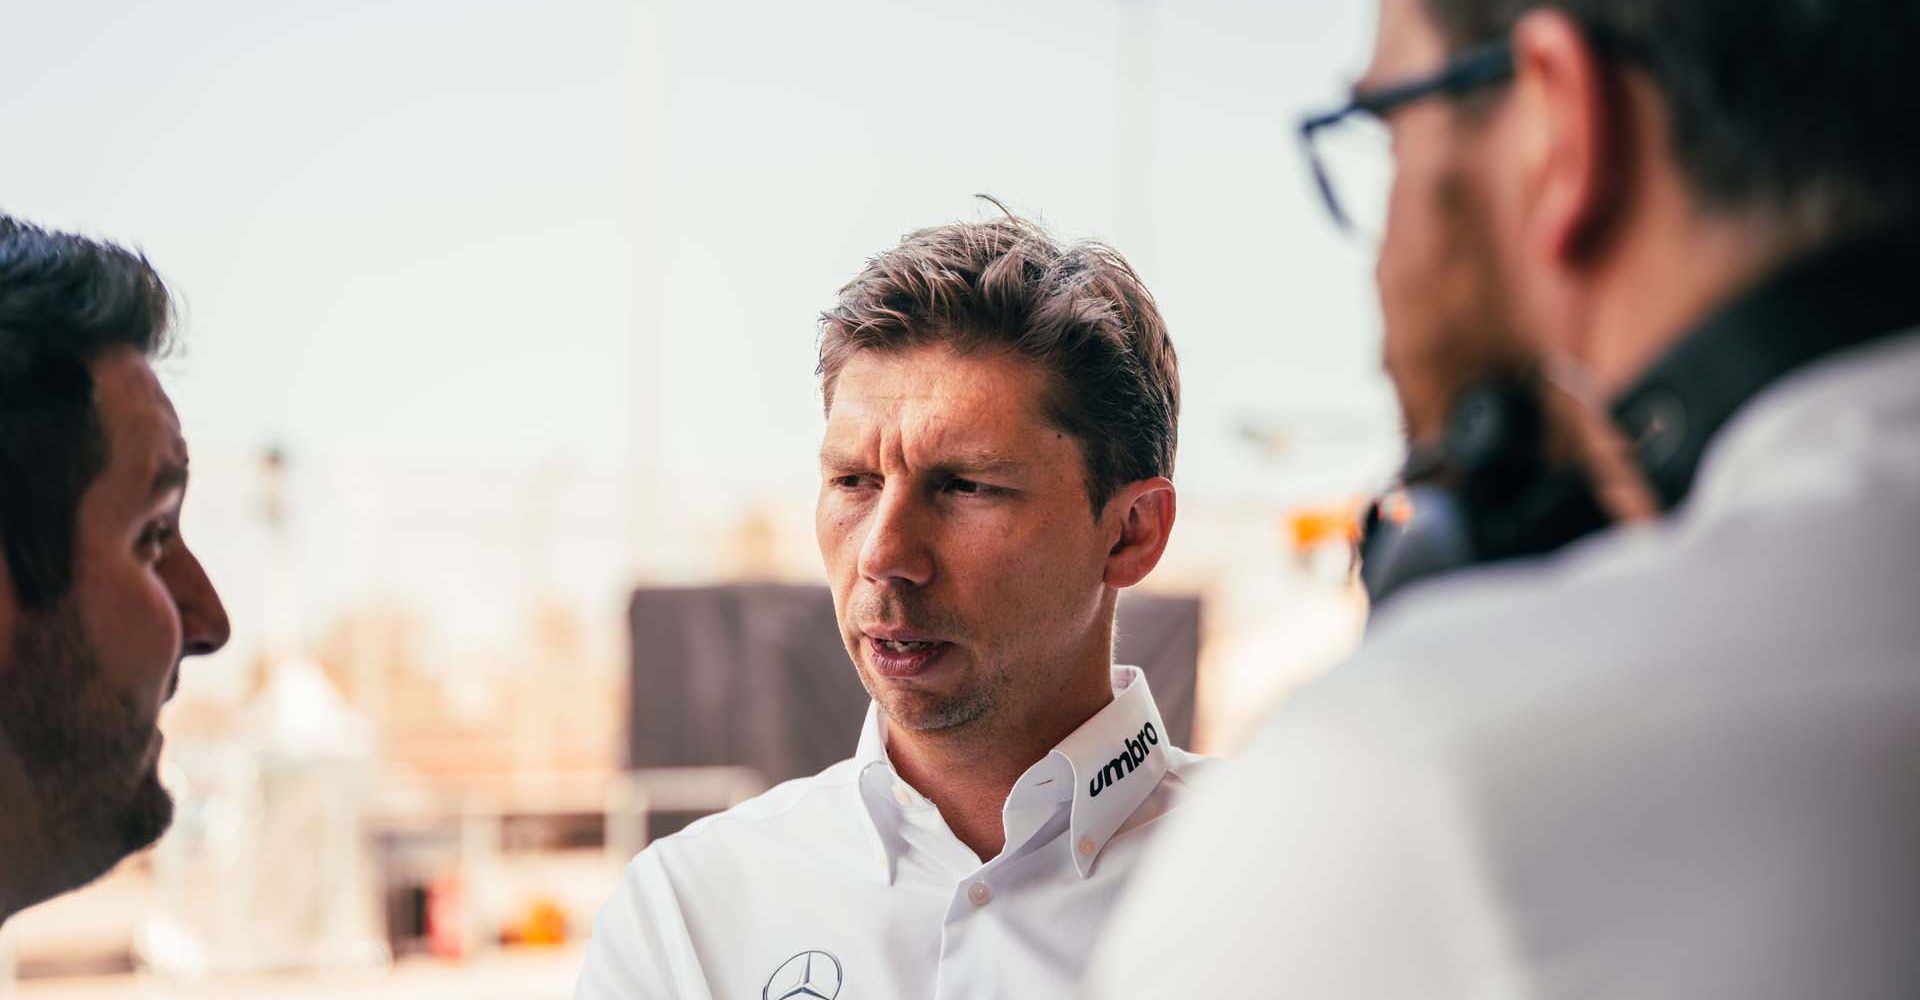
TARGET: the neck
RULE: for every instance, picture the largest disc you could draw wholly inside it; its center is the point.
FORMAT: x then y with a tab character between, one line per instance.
1664	278
968	772
23	858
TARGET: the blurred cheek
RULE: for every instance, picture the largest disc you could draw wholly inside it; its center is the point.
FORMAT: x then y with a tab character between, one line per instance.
135	627
1405	245
1401	275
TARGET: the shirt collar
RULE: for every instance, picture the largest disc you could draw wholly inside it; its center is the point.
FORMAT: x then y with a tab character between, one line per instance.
1823	430
1101	773
1852	293
1118	758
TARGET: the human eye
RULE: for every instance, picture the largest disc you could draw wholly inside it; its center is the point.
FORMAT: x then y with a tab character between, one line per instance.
960	486
156	536
849	480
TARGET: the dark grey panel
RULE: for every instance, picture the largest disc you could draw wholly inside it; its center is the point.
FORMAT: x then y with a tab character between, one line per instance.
755	675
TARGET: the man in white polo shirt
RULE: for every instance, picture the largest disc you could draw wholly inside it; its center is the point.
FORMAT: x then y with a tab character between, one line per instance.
1001	416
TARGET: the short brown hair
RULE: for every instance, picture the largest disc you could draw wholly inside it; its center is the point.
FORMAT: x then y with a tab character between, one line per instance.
1806	109
65	301
1079	311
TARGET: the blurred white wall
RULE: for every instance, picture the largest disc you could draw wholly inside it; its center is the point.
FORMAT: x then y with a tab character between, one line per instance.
446	251
802	138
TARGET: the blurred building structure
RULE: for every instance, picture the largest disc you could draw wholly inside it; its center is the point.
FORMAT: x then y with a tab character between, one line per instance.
515	315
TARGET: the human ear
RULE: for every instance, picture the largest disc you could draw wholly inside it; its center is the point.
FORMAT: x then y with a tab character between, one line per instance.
1571	144
1145	512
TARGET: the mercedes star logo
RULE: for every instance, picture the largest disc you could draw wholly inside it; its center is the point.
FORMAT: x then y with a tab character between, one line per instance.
810	975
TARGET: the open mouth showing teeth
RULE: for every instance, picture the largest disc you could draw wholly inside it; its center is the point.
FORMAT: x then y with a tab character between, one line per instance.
904	659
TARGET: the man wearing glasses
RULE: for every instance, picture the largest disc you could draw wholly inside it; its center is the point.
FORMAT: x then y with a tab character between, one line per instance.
1642	261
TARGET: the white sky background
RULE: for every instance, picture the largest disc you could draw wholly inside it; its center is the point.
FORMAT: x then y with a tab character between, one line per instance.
487	235
804	137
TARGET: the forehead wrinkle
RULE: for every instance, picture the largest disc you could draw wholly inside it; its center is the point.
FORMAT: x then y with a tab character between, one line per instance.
910	412
137	410
920	438
941	442
153	431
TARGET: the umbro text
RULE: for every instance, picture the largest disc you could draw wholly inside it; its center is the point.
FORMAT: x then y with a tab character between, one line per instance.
1132	756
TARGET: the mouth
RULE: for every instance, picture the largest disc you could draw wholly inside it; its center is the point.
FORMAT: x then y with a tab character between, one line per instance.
897	654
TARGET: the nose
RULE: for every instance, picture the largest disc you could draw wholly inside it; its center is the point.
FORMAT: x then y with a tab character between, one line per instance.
203	618
897	548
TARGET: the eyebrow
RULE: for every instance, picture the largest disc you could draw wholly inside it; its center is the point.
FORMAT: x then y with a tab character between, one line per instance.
172	476
977	462
981	461
834	458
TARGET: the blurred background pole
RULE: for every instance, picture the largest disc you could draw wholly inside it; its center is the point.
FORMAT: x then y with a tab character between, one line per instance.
645	189
1137	23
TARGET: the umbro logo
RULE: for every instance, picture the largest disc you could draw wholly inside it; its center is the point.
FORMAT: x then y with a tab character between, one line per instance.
810	975
1131	756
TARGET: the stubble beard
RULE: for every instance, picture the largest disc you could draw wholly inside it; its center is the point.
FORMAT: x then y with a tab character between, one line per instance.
981	695
84	750
951	712
1473	335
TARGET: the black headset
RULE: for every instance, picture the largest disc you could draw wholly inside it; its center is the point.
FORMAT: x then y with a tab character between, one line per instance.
1486	491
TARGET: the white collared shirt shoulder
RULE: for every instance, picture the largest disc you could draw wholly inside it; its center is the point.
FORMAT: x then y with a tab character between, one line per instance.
851	879
1674	761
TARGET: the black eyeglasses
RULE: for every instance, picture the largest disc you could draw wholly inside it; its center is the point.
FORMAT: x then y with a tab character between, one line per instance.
1366	172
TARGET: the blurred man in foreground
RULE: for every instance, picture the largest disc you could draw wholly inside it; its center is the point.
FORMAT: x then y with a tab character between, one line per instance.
1676	759
100	598
1000	431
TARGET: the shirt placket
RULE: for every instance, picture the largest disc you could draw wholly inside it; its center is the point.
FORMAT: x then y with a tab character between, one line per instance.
966	970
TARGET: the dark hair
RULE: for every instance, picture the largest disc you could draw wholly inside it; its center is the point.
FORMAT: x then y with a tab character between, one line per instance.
64	300
1079	312
1808	109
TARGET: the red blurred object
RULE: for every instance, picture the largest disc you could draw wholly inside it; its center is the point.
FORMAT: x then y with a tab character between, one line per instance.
447	917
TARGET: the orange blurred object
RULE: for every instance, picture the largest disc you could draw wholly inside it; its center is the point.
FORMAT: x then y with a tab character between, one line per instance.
544	924
1397	507
1311	527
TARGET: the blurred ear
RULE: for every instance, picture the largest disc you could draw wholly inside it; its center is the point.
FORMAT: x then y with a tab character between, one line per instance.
1142	516
1571	147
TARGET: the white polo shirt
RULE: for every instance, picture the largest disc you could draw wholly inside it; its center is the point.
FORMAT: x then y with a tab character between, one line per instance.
1674	762
849	886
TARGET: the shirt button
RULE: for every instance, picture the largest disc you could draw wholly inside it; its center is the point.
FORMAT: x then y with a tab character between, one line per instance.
1086	845
979	894
901	794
